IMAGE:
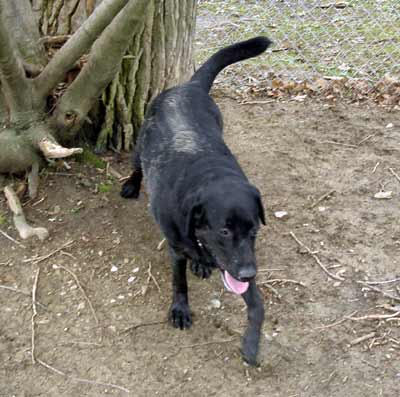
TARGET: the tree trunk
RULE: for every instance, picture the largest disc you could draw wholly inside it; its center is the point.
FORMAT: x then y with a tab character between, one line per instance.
159	57
137	53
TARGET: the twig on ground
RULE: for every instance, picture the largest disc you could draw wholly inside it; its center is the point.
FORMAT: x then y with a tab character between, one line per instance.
39	259
273	290
136	326
81	380
256	102
208	343
395	280
322	198
151	277
323	327
283	280
374	317
270	270
362	338
34	314
311	253
366	138
397	298
161	244
22	293
341	144
12	239
370	364
376	166
82	290
393	172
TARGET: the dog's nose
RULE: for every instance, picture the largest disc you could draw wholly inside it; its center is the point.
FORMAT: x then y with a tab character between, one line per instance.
247	273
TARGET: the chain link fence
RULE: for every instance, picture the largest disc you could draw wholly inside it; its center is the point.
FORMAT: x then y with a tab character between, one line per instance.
355	39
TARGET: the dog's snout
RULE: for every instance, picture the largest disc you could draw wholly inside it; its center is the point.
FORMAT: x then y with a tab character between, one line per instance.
247	273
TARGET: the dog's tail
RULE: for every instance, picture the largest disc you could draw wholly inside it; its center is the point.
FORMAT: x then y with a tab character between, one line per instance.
206	74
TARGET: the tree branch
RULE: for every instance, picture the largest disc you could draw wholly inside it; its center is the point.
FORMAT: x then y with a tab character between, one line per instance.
77	45
15	85
19	18
103	64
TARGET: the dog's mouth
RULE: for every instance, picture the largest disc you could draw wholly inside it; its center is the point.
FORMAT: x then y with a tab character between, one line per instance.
234	285
231	283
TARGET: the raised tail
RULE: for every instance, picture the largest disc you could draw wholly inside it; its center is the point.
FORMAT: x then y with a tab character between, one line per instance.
206	74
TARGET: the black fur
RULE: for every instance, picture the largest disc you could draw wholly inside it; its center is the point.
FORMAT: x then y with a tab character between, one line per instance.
200	197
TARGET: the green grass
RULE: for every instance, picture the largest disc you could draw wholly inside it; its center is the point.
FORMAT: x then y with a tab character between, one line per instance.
361	40
104	188
3	219
89	158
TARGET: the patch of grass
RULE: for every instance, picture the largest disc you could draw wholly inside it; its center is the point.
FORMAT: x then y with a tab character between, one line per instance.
360	40
3	219
88	157
104	188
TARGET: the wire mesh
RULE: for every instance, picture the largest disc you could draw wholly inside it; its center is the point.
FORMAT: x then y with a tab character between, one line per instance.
353	39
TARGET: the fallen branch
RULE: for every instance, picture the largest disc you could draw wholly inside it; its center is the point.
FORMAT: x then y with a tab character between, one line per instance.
34	314
24	229
374	317
311	253
283	280
82	290
6	287
394	174
44	257
81	380
362	338
208	343
322	198
394	297
12	239
341	321
136	326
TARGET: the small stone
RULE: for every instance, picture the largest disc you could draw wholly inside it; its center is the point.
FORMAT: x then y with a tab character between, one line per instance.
131	279
135	270
215	303
390	125
384	195
280	214
114	269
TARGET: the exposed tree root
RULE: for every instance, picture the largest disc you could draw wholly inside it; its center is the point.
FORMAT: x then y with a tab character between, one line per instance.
52	150
24	229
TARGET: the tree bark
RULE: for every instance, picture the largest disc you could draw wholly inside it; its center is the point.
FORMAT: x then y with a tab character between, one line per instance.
159	57
145	44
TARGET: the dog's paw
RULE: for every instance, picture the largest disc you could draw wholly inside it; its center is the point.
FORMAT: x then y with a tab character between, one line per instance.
130	190
249	351
179	315
200	270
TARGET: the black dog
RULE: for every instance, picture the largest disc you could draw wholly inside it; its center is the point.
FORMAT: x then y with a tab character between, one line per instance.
206	208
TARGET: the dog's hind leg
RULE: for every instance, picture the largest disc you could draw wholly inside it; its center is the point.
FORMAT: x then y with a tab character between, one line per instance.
255	314
131	187
179	313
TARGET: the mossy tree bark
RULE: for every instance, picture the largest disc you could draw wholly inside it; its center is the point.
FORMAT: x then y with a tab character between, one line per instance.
140	47
134	50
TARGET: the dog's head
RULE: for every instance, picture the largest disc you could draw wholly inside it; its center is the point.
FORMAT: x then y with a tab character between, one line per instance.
225	219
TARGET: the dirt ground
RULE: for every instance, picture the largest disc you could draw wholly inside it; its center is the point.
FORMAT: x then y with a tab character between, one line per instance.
295	153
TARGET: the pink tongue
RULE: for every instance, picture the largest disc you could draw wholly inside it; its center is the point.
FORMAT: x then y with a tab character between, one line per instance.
235	286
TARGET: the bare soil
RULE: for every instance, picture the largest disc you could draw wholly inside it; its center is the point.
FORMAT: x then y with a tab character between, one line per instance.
295	153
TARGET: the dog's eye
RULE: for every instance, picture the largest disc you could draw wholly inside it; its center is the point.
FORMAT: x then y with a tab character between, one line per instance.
225	232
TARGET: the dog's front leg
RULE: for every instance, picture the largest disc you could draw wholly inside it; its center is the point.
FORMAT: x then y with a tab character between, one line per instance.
179	314
255	314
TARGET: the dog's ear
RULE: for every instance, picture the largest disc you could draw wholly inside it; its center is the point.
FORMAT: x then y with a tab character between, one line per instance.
195	218
261	212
